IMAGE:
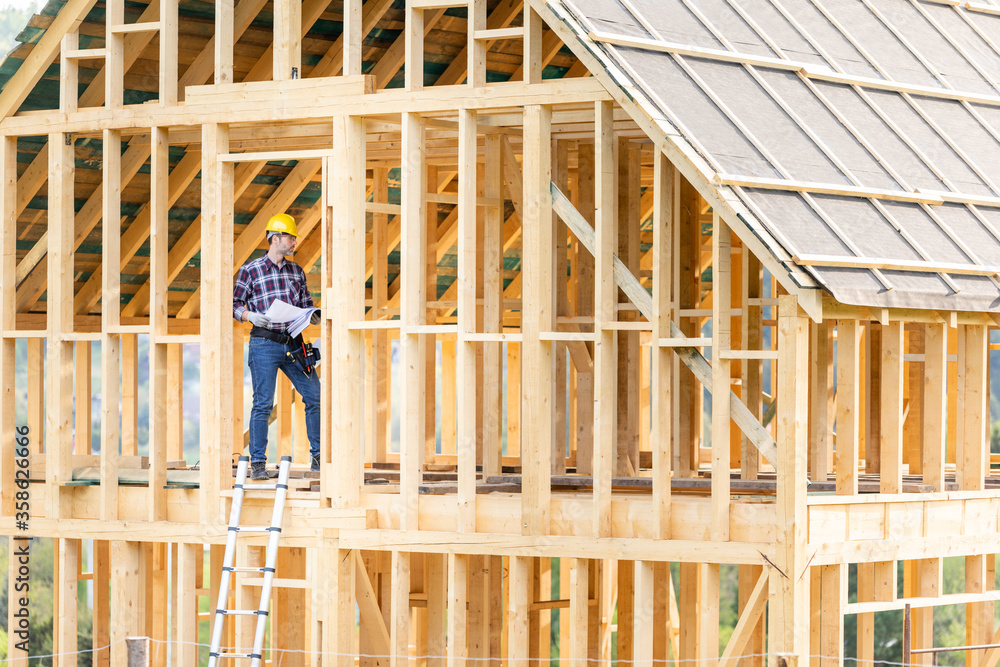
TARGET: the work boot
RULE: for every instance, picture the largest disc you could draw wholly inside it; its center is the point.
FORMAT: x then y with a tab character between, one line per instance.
258	470
314	466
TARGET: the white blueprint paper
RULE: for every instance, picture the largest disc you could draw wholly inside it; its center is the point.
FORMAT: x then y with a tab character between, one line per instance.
281	312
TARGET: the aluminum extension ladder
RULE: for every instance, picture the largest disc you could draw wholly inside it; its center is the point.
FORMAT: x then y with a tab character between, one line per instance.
274	530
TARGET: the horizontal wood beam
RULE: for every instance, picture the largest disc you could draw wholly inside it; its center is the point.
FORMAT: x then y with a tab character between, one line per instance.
308	100
691	356
33	67
556	546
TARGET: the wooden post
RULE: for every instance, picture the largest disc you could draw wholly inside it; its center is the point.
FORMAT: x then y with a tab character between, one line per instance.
479	601
848	405
476	48
688	286
82	414
158	239
399	633
168	52
59	378
413	31
751	339
978	615
216	318
189	557
354	35
927	573
952	411
644	633
626	610
579	612
605	306
224	40
584	270
127	612
513	399
913	432
465	349
344	243
69	74
68	553
175	401
130	394
114	58
626	460
819	430
891	409
708	635
833	584
872	429
690	603
865	649
560	177
336	585
721	372
458	639
378	408
518	602
935	413
537	315
492	288
972	462
159	603
8	270
664	183
102	614
430	340
788	613
413	313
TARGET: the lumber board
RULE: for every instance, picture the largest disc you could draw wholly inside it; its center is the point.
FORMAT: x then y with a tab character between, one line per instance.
34	66
302	101
691	357
538	266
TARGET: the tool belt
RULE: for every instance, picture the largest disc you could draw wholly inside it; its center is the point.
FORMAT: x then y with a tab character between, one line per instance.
276	336
305	355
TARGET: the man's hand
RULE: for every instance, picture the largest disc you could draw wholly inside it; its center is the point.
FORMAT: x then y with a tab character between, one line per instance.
258	319
315	317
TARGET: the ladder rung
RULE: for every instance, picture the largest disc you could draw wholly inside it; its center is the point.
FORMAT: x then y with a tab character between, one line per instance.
227	568
260	487
240	612
254	529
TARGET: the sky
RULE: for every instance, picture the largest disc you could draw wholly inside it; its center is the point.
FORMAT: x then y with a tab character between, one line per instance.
20	4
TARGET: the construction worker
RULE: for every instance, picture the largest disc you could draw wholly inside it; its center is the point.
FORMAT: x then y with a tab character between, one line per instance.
258	284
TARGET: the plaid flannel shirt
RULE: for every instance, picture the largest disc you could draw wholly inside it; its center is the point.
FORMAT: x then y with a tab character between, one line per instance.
261	281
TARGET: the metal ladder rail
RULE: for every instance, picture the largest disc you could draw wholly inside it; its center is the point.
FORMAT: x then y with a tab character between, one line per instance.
277	514
274	530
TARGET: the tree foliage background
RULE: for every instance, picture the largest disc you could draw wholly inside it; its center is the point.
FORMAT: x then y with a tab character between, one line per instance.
12	21
949	622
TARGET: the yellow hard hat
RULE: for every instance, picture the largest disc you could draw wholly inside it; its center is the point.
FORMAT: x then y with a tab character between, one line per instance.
283	223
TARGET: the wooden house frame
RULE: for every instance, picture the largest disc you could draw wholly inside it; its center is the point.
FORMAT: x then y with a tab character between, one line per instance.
530	206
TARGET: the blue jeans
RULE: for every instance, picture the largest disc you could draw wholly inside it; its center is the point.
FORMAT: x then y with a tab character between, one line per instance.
265	358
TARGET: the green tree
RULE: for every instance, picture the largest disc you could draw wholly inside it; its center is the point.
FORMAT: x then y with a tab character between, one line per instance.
12	21
40	605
